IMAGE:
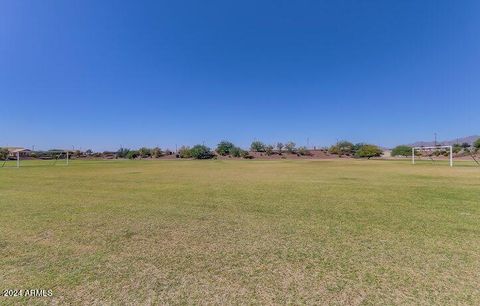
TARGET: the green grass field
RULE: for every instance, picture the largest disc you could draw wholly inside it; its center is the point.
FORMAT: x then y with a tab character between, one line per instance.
249	232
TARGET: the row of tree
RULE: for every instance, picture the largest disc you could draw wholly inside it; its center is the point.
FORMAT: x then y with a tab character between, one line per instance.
278	148
359	150
224	148
142	153
227	148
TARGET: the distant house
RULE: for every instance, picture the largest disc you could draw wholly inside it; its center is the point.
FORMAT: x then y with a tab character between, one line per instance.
387	153
21	151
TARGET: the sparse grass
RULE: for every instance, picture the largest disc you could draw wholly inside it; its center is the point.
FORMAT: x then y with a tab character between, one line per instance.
249	232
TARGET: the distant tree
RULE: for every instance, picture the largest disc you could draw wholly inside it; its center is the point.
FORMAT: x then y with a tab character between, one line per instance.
236	152
3	153
156	152
346	147
279	147
76	153
303	151
144	152
132	154
357	146
456	148
402	151
368	151
342	148
225	148
465	145
257	146
184	152
121	153
476	145
290	147
269	150
440	152
246	154
201	152
89	152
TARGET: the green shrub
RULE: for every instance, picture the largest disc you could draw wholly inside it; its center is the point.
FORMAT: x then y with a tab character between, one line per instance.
290	147
132	154
246	155
268	150
144	152
402	151
457	148
279	147
184	152
476	145
357	146
237	152
225	148
156	152
121	153
303	151
201	152
334	150
368	151
257	146
342	148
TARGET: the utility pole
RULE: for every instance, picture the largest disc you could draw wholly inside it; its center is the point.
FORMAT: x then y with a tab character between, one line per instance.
435	139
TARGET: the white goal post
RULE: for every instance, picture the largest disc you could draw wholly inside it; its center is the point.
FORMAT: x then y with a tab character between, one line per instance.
449	148
17	159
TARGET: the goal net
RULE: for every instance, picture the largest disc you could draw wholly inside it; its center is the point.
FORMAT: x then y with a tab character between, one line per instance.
433	153
54	157
14	158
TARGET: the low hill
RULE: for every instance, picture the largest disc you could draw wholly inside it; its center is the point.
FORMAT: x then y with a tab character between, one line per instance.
469	139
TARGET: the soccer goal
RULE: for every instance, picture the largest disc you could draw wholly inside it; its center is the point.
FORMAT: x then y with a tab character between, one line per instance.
15	157
431	152
57	157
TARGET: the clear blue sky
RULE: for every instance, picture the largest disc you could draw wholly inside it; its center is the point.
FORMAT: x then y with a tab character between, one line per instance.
100	74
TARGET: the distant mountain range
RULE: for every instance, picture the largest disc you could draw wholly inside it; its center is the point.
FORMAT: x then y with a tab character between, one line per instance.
469	139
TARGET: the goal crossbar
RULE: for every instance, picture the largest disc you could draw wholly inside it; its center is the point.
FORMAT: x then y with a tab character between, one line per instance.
450	149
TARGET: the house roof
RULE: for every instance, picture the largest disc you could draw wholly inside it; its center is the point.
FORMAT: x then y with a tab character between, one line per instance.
16	150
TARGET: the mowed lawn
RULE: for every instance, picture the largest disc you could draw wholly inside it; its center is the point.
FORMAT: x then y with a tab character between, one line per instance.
249	232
